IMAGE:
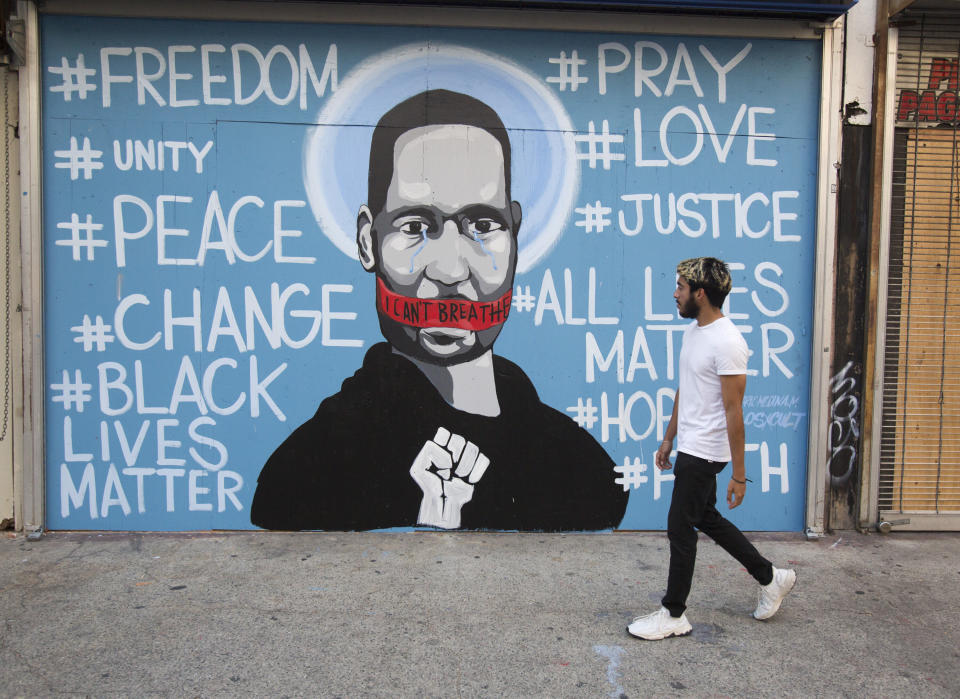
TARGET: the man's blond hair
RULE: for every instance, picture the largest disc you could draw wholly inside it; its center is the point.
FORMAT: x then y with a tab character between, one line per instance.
707	273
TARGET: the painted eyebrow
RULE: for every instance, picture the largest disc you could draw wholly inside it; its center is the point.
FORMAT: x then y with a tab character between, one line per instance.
472	212
420	211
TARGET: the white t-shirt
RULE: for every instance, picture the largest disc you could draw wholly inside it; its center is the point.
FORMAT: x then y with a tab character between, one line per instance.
708	352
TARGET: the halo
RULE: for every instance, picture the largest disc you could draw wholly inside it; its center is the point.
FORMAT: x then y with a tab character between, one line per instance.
545	176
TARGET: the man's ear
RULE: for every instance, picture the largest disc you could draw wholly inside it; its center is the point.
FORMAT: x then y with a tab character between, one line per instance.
517	215
365	247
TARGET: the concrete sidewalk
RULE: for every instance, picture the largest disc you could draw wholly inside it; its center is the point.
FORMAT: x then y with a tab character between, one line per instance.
435	614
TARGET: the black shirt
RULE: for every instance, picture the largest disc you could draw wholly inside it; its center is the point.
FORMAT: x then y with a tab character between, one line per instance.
348	467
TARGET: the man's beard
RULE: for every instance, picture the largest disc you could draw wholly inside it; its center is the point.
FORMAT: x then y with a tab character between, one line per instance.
689	309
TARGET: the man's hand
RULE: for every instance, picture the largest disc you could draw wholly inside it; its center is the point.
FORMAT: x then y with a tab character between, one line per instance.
735	493
662	458
444	493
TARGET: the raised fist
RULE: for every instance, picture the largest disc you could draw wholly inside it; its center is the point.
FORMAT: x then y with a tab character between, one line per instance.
446	470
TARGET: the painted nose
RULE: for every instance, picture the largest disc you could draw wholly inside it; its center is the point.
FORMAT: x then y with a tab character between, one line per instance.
446	263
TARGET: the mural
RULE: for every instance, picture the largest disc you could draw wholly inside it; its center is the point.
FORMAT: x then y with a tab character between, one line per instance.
246	221
440	233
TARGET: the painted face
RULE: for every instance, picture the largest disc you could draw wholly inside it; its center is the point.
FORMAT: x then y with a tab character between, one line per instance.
447	231
686	303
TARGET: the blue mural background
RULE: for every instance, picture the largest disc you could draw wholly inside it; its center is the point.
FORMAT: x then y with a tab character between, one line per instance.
134	440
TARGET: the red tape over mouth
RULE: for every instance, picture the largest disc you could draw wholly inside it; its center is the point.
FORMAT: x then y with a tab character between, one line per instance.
443	313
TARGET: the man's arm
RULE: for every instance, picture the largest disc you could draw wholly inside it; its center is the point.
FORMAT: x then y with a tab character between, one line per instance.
662	458
732	388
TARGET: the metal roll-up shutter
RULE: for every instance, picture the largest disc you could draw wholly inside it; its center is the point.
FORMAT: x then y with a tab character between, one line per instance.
919	474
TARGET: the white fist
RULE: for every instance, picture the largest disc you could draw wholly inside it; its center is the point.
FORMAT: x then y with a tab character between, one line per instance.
446	470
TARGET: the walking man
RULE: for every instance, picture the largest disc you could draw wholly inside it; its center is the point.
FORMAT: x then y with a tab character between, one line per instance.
708	421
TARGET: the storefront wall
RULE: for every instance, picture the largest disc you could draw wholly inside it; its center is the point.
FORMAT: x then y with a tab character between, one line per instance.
204	184
919	461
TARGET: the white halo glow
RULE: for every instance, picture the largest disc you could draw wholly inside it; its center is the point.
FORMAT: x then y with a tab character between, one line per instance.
544	172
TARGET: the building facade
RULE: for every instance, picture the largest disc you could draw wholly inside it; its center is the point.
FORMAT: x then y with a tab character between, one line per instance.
199	181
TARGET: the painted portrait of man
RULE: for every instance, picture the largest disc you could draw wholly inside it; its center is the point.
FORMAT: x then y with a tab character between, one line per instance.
435	429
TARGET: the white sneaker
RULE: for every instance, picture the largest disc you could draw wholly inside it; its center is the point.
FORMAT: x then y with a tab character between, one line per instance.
770	597
658	625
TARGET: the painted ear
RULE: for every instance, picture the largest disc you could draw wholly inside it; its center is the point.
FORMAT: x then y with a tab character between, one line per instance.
365	248
517	213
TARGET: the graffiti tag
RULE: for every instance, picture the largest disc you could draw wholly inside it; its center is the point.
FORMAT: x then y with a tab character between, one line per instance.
844	430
